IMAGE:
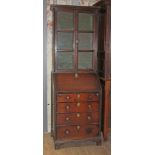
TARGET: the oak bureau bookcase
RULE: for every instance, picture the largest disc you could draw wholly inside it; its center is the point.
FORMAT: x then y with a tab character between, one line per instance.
76	90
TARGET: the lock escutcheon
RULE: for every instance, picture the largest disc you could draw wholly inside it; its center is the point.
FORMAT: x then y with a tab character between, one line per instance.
76	75
67	118
89	117
67	132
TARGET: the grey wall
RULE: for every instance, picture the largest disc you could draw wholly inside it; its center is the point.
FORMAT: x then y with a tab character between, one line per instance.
44	68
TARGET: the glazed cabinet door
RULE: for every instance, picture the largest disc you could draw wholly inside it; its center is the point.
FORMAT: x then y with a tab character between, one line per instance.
75	45
85	40
64	39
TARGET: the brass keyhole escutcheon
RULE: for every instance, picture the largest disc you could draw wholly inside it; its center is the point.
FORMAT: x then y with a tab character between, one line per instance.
76	75
67	132
89	117
78	114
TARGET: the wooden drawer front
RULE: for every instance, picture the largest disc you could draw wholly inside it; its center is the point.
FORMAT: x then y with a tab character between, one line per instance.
66	97
77	131
77	107
77	97
88	97
80	118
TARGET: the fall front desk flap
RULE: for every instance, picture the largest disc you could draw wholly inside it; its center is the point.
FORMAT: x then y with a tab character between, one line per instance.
76	82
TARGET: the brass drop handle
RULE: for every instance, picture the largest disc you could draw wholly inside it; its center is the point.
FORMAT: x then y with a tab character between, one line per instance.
78	104
89	117
78	127
78	114
67	118
67	132
67	107
67	97
76	75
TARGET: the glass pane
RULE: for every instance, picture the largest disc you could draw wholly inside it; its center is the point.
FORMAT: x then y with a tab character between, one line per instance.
65	60
85	21
85	60
65	40
65	21
85	41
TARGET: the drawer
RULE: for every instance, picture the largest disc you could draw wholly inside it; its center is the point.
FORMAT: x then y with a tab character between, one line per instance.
88	96
77	97
80	118
77	107
77	132
66	97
